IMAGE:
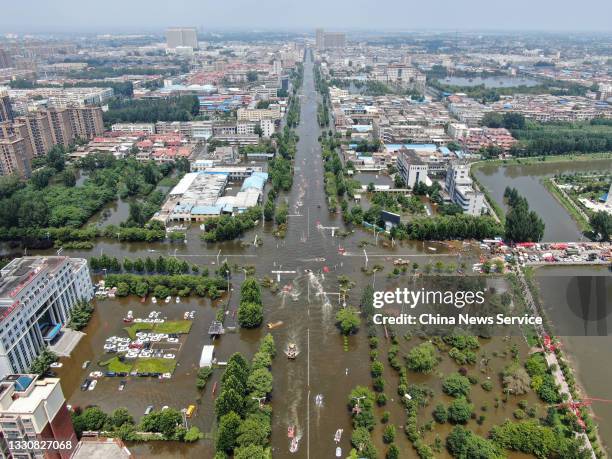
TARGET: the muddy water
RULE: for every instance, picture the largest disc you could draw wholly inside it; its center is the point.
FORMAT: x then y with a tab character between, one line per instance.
528	180
322	367
589	354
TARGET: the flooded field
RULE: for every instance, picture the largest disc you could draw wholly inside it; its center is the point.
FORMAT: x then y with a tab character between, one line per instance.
528	180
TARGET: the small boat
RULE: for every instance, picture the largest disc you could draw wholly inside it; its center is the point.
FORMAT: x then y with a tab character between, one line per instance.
186	315
294	445
272	325
167	300
341	249
93	384
338	452
122	384
154	300
214	389
433	249
319	400
291	351
178	299
85	364
338	435
291	431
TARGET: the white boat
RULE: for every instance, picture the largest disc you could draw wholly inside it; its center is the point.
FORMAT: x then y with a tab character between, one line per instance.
338	435
154	300
93	384
178	299
168	298
319	400
186	315
338	452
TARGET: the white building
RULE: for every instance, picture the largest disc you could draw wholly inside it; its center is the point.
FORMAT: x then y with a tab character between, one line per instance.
148	128
181	36
461	191
268	128
458	130
411	168
36	297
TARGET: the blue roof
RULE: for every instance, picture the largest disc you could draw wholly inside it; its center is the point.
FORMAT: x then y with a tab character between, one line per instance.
257	180
412	146
206	210
445	151
22	382
53	332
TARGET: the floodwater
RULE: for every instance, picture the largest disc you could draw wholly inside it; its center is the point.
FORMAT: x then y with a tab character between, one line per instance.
589	354
490	82
307	313
527	179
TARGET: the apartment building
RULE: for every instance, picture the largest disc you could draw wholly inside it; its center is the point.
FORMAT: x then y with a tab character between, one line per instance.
6	111
147	128
461	191
36	297
14	157
326	40
34	409
273	112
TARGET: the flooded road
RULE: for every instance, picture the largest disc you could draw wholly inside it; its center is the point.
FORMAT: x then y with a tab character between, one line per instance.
528	180
312	263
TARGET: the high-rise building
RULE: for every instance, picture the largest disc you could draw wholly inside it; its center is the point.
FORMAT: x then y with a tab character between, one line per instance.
319	35
31	410
325	40
411	168
6	111
181	36
5	59
14	157
37	295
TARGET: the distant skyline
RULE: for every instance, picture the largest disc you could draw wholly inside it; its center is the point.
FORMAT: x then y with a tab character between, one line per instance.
38	16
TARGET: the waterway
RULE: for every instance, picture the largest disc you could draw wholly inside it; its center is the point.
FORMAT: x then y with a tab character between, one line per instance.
312	262
527	179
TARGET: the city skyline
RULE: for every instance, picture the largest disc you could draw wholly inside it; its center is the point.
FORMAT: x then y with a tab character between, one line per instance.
69	16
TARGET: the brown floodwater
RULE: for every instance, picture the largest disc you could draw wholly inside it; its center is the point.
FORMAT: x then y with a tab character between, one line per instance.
307	313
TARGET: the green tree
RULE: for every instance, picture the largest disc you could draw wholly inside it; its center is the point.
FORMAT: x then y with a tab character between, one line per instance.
460	411
422	358
347	320
456	385
259	383
250	315
227	432
389	433
254	430
464	444
601	222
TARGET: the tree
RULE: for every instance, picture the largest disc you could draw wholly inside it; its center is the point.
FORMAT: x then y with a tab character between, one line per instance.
521	224
250	315
601	222
254	430
69	178
393	452
93	418
456	385
193	434
269	209
460	411
120	416
528	437
347	320
440	414
251	452
515	379
227	432
362	442
43	361
422	358
259	383
229	400
389	433
464	444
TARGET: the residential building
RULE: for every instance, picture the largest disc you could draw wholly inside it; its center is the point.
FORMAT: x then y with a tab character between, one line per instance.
181	36
146	128
36	296
14	157
325	40
268	128
461	191
411	168
31	410
6	111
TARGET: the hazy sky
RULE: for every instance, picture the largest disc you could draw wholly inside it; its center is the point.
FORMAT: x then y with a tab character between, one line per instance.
140	15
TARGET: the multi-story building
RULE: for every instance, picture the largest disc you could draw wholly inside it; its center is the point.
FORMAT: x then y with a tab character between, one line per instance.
33	409
147	128
326	40
268	127
5	60
6	111
14	157
461	191
36	297
257	114
181	36
411	168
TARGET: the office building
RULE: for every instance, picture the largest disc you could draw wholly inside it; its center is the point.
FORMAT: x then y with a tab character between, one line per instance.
319	34
411	168
34	409
36	297
5	60
461	191
181	36
6	111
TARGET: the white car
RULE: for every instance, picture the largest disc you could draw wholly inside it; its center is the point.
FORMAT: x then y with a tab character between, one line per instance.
167	375
172	340
56	365
169	356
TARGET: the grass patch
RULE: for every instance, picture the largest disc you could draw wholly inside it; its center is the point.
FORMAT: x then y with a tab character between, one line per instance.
568	205
114	364
172	326
155	365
